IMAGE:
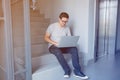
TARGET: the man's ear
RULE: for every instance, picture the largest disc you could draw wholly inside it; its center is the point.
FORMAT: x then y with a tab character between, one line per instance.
59	19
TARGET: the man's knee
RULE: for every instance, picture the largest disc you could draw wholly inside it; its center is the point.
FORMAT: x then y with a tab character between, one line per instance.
54	49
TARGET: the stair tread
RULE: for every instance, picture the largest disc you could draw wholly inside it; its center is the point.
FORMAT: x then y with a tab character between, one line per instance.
40	20
36	15
51	72
47	60
45	67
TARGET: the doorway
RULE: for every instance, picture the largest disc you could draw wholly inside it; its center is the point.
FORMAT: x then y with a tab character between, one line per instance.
106	17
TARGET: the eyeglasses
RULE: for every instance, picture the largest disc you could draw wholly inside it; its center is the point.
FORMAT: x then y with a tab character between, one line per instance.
64	21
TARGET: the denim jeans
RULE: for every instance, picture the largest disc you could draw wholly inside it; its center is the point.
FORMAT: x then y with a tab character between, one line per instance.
58	52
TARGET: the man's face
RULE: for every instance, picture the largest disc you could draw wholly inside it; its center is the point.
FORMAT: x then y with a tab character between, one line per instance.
63	21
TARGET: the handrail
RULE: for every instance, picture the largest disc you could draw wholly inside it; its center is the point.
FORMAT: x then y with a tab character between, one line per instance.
33	6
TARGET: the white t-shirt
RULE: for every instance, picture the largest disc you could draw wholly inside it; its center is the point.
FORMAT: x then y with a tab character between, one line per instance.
56	32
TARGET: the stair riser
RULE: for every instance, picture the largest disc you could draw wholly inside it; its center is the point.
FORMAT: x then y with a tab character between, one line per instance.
37	40
36	15
37	50
38	25
35	19
47	60
40	49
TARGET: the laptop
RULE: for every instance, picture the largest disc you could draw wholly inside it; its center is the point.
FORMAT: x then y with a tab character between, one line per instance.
68	41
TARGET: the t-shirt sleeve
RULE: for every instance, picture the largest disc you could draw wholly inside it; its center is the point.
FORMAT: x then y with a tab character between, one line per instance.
49	29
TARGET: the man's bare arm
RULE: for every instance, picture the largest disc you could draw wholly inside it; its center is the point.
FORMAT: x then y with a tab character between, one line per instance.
47	38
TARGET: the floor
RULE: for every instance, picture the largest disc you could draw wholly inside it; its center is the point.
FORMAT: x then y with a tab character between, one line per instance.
106	68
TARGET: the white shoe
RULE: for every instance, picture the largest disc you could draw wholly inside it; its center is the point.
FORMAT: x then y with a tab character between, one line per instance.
66	76
81	77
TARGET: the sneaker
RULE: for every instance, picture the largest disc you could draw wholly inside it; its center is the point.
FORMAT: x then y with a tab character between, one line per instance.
81	75
66	76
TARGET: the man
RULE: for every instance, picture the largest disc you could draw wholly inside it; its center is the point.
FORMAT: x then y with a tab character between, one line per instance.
52	36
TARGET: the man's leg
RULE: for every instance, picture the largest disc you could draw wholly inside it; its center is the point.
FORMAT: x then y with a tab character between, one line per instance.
75	61
75	58
58	53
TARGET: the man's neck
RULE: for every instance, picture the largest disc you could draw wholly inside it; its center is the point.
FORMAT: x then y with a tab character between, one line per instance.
60	25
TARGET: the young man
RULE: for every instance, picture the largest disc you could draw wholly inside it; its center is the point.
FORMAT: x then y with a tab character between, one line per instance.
52	36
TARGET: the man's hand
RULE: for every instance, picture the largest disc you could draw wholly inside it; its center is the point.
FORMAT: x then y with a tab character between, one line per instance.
55	43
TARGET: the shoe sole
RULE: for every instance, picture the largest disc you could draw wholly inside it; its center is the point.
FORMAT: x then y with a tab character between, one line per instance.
66	76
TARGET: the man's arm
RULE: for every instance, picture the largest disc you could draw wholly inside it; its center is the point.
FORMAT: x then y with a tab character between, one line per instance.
47	38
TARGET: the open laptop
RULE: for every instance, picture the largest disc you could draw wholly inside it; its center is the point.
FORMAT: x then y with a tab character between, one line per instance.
68	41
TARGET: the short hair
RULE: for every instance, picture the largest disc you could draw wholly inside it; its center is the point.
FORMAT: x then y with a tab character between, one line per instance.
63	14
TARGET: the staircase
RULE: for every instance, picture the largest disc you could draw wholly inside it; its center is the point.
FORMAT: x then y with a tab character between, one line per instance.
44	65
39	25
50	69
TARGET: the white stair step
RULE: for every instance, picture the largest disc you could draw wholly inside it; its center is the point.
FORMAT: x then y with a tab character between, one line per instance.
35	13
39	49
47	60
37	29
37	32
40	19
38	39
52	72
39	25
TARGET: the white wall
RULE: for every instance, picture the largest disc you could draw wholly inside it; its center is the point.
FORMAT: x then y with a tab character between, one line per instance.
91	29
78	11
81	21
